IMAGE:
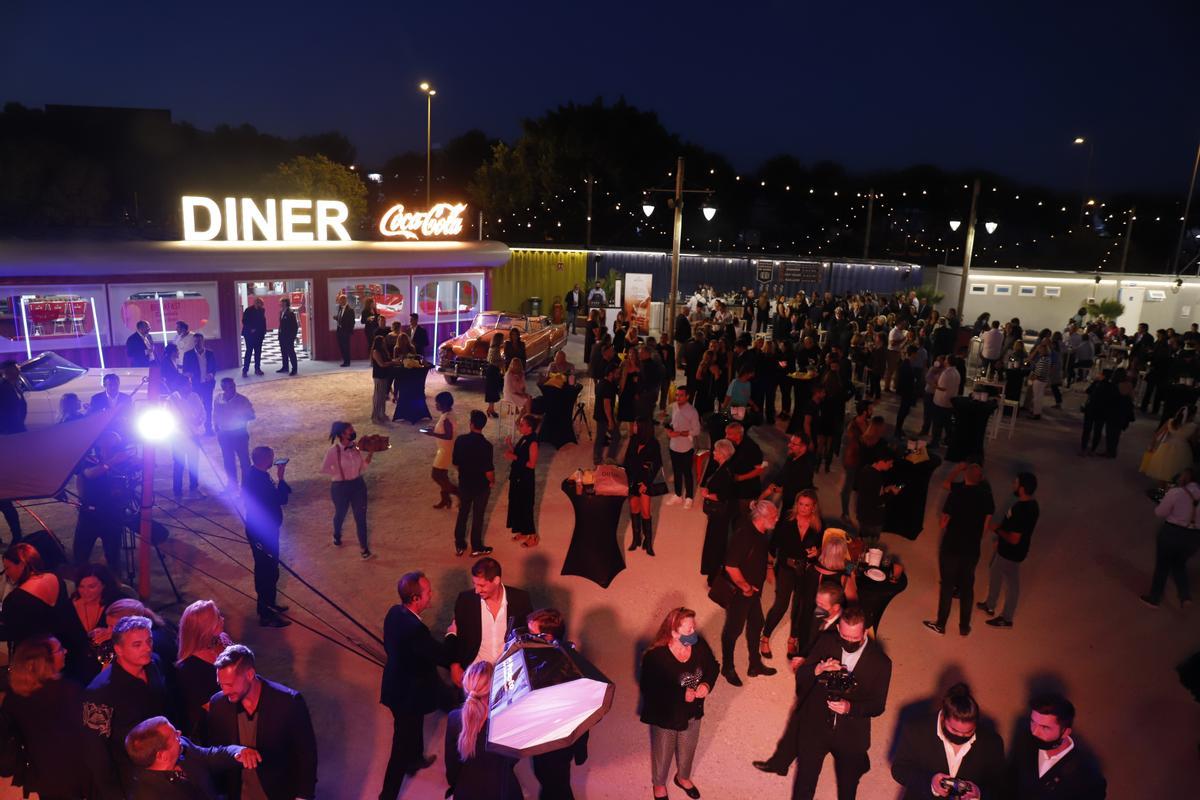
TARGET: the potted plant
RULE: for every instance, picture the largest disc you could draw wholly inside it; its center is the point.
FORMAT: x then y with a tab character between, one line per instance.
1107	309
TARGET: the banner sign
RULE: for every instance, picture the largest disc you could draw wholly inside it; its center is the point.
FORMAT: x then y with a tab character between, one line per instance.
637	300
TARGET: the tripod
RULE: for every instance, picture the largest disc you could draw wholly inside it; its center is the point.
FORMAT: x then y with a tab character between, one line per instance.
580	415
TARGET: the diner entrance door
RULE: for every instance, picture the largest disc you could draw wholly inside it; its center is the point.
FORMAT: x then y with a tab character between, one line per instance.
299	293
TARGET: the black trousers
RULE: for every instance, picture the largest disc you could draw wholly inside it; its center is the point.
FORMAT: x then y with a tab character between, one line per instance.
683	473
12	518
265	550
1093	427
343	337
1112	438
744	614
1172	551
572	313
787	594
906	405
347	495
106	527
235	449
205	390
408	751
474	505
849	765
253	348
553	771
287	348
957	573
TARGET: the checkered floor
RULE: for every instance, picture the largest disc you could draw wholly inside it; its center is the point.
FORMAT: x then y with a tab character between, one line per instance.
270	351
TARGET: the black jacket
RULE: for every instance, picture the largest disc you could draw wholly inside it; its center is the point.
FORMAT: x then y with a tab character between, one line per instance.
470	626
484	776
264	505
194	777
420	340
254	323
113	703
135	350
868	698
920	755
410	679
344	319
285	738
13	408
288	326
1077	776
664	681
197	371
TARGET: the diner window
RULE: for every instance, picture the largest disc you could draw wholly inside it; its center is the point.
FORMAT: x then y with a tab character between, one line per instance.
161	306
390	295
450	298
35	319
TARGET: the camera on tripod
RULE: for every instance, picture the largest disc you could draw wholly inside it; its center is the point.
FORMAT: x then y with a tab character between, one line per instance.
837	684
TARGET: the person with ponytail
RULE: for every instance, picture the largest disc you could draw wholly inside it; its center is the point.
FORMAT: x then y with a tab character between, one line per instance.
473	772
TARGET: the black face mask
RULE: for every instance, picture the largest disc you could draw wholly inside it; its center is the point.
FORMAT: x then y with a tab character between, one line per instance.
954	738
820	613
353	436
851	647
1042	744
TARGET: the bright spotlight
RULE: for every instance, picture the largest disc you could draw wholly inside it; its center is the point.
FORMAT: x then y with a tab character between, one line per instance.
991	226
156	424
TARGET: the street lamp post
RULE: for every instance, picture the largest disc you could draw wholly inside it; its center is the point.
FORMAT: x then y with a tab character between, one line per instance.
429	92
969	250
709	210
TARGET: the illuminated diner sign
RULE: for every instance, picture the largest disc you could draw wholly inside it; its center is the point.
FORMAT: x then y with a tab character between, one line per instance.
247	220
444	219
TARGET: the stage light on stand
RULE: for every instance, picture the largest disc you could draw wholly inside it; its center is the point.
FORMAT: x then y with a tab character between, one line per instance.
156	424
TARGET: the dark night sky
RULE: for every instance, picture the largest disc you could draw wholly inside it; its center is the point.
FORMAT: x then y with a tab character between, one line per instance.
1003	85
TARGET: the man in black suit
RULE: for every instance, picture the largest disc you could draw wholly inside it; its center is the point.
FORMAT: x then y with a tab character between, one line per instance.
1046	763
252	711
139	347
264	501
476	477
411	687
574	301
289	327
344	317
200	365
485	616
839	722
13	409
254	330
418	336
936	754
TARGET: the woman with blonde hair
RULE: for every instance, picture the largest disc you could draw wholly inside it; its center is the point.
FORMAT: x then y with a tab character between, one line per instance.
202	637
473	772
678	672
42	710
515	390
792	549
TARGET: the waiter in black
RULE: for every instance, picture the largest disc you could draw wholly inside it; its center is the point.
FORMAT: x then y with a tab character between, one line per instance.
288	329
837	724
254	330
344	317
746	464
418	336
264	514
13	409
476	477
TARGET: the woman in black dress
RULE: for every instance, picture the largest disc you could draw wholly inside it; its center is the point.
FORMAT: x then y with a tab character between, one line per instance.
371	321
42	711
521	482
718	486
472	772
591	333
202	637
40	605
628	390
678	672
643	462
794	545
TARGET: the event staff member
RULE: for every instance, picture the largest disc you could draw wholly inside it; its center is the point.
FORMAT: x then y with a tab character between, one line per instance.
1046	763
254	331
473	456
345	464
835	723
231	415
289	328
102	500
681	443
605	412
1013	534
344	318
574	302
553	768
965	517
747	465
443	432
420	337
485	615
596	297
411	687
171	767
130	689
935	753
200	366
746	567
264	501
139	347
269	717
13	409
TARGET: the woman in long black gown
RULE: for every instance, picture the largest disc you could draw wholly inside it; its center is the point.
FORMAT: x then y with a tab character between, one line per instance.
643	462
521	482
719	506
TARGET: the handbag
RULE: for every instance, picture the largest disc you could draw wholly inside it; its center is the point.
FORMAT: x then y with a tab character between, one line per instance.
723	590
658	486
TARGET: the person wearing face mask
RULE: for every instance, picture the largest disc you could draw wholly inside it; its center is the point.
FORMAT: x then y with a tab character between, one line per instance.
839	723
345	463
678	672
933	751
1046	762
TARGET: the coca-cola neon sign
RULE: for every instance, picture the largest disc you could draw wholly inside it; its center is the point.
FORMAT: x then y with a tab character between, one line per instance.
444	219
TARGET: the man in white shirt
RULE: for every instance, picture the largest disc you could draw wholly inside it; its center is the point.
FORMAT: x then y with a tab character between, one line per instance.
485	616
896	338
682	430
991	346
184	342
1178	539
948	383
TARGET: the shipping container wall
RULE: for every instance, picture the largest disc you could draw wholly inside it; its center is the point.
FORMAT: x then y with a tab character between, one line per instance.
547	274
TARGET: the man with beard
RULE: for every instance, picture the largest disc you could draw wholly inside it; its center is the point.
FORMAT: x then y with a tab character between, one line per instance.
965	517
1046	763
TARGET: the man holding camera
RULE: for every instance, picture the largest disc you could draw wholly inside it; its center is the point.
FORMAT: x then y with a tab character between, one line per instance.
949	755
264	514
845	686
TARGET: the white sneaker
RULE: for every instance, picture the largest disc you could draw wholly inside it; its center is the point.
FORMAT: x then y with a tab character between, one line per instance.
675	500
687	503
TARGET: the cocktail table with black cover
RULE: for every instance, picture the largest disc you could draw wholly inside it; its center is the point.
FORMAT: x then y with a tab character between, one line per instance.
558	408
594	553
410	390
971	419
874	596
905	514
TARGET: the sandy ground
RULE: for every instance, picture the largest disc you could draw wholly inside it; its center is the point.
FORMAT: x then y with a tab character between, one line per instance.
1079	626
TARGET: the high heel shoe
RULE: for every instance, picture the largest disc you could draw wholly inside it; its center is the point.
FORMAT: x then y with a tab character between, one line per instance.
764	647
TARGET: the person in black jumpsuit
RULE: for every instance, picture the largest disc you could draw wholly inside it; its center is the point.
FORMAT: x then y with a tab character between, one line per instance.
521	483
643	462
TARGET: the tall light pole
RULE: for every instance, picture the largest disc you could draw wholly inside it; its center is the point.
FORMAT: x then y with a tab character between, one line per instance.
1187	208
1087	176
429	92
710	211
969	250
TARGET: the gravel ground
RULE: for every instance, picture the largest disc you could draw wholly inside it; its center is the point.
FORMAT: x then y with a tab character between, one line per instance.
1079	626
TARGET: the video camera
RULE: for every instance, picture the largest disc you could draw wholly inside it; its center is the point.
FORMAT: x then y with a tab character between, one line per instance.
955	787
837	683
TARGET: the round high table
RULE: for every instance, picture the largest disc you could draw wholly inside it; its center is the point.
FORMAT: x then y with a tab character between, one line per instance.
874	596
558	407
410	391
594	553
905	513
971	419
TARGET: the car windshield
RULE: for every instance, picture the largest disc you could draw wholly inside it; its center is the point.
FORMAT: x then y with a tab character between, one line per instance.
49	371
497	321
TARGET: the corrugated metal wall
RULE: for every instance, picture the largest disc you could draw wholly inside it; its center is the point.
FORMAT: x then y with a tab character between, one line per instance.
536	273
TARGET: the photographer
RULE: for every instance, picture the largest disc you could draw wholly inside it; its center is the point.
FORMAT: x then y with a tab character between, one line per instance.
264	514
949	755
846	687
102	499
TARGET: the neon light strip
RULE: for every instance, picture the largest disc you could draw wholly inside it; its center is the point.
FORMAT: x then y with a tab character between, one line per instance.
25	327
457	306
162	315
96	327
437	302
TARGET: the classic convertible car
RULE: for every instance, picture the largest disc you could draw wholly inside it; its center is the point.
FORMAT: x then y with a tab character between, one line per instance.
466	355
48	376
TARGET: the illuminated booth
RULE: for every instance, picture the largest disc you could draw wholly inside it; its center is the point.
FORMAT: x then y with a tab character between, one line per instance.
84	299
